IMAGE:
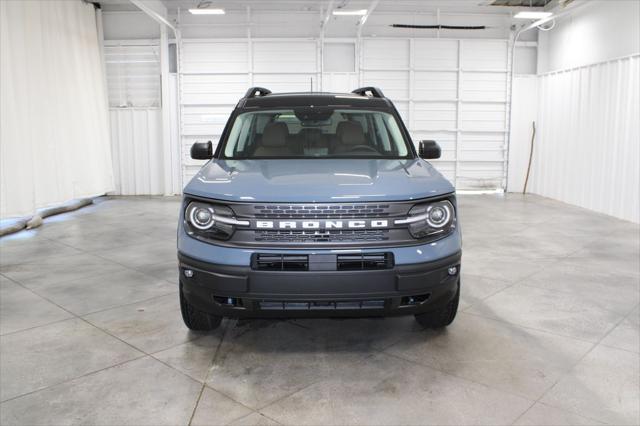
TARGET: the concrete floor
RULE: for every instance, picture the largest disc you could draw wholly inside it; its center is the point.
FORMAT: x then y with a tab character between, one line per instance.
548	331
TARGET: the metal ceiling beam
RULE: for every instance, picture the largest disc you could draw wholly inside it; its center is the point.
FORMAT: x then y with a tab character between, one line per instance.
327	16
150	9
363	20
158	12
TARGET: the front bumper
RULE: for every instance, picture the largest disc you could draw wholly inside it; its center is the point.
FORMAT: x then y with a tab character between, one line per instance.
240	291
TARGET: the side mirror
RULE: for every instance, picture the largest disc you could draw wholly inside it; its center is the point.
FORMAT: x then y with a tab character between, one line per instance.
202	150
429	150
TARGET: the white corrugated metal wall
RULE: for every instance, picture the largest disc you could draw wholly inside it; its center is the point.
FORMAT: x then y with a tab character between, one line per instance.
215	74
133	77
525	112
454	91
587	148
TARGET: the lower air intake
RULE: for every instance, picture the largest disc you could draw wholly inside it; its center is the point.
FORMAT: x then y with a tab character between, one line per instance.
280	262
364	261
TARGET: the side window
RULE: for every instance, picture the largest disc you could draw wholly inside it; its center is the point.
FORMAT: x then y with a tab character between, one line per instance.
237	140
394	131
382	133
244	134
261	121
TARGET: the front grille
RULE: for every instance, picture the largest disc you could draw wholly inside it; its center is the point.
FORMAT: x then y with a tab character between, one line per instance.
355	235
299	237
321	211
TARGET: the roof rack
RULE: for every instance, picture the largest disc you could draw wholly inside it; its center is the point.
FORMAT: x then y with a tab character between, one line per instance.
373	92
256	91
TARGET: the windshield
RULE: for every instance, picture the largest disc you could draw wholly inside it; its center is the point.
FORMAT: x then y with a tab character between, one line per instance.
315	132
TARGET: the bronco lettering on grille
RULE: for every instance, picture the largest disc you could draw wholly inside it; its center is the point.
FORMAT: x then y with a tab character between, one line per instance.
322	224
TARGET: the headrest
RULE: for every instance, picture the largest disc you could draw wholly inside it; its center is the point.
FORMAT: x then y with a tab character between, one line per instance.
350	133
275	134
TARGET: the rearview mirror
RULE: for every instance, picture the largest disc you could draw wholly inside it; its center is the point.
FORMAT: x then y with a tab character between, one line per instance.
429	150
202	150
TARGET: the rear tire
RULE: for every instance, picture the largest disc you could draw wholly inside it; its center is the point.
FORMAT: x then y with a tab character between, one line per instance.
197	320
441	317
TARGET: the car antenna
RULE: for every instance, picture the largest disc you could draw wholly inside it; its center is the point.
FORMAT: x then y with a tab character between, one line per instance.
311	84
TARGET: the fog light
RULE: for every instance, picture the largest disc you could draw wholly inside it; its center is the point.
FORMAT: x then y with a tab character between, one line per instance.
452	270
189	273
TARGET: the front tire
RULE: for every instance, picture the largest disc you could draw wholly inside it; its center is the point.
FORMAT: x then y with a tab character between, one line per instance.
197	320
440	317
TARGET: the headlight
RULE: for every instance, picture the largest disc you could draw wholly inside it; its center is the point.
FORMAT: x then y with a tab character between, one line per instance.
438	216
207	221
431	219
202	217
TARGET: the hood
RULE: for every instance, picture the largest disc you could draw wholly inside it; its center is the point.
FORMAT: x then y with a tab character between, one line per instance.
318	180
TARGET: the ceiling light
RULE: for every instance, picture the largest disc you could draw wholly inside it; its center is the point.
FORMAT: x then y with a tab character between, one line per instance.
207	11
342	12
532	15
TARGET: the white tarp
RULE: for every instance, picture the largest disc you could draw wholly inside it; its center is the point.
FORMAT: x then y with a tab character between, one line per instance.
54	128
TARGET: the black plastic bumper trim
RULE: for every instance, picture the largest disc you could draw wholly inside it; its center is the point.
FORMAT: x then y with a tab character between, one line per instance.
212	285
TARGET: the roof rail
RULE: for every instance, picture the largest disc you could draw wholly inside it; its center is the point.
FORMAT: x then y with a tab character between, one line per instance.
256	91
373	92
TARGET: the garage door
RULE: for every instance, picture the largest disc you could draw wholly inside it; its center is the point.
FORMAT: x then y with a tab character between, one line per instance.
453	91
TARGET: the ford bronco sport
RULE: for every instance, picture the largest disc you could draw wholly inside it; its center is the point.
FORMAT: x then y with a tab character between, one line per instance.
317	204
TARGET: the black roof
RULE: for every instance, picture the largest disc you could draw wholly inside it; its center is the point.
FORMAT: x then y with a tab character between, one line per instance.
314	98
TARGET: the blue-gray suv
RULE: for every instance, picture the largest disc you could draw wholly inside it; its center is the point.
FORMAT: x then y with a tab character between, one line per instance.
317	204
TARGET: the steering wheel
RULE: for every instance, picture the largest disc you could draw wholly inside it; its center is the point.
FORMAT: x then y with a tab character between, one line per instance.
364	148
